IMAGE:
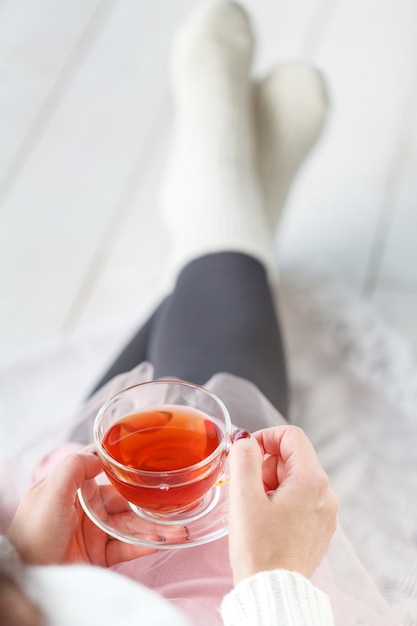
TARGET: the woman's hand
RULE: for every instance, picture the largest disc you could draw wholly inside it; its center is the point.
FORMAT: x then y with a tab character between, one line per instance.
50	525
282	511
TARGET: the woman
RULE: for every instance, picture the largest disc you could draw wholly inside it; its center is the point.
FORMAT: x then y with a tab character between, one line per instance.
218	327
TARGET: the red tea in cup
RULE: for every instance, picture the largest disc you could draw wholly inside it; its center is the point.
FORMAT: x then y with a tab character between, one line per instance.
160	441
163	446
170	438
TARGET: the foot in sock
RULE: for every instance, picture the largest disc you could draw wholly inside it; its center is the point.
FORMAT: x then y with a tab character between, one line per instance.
211	199
238	144
291	107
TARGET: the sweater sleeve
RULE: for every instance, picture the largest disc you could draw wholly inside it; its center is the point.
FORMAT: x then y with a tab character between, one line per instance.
276	598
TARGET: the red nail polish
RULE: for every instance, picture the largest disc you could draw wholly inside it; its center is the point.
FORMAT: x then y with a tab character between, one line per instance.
240	433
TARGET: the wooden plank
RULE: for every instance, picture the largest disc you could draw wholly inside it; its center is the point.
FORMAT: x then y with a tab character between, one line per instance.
126	277
39	51
283	30
129	278
60	205
368	57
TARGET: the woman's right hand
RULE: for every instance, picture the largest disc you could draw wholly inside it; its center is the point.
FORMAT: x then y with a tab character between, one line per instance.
51	527
282	510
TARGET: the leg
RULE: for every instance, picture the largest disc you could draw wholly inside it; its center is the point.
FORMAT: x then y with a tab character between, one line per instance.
212	201
221	318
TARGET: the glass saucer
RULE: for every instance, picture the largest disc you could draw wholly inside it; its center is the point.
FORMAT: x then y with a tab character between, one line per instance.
118	518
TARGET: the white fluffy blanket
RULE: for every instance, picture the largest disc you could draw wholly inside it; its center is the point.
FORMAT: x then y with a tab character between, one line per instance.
354	391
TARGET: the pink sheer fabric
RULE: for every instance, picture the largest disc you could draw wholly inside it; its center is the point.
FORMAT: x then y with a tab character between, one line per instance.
195	579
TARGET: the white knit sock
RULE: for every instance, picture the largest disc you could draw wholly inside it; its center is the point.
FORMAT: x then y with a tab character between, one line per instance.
291	106
211	200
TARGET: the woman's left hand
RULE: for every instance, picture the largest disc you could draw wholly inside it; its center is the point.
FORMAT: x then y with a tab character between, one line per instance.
50	526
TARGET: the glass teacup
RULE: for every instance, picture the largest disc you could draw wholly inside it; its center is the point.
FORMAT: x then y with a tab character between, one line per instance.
164	445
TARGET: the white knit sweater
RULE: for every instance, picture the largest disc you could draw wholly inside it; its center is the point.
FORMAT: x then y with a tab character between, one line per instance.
276	598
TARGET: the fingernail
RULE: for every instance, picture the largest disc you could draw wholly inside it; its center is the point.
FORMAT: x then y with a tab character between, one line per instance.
240	433
90	449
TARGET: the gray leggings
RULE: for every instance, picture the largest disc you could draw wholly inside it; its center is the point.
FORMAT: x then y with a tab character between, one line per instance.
220	317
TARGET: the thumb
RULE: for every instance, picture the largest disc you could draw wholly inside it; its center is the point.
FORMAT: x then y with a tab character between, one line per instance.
72	472
245	463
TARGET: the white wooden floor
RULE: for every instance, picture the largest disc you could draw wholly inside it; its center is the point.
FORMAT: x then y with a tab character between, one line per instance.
85	120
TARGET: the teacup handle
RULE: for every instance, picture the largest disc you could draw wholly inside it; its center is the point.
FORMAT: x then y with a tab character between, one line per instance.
239	433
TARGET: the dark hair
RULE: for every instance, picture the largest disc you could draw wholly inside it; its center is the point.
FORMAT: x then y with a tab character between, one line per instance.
16	609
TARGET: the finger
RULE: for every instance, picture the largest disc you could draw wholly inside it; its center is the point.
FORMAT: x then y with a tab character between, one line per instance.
119	552
89	449
271	472
291	444
71	474
113	501
246	482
